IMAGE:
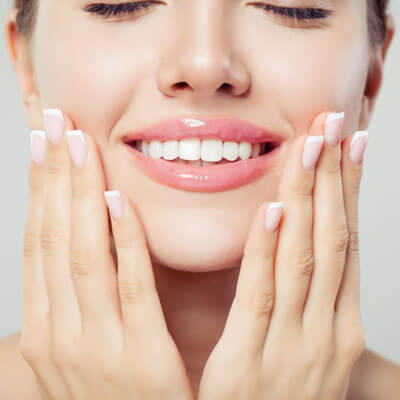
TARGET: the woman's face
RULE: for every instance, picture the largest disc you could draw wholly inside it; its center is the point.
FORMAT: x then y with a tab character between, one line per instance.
117	75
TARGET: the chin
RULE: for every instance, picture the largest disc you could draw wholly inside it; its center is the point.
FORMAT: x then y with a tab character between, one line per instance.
196	255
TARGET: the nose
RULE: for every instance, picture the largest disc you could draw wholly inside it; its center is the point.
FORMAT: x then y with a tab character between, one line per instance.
202	62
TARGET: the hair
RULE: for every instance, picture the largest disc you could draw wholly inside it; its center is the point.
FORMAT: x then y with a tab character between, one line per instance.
377	9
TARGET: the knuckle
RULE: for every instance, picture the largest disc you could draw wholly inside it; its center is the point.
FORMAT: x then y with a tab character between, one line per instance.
35	184
264	302
302	190
130	292
333	168
31	348
51	236
354	242
341	241
79	263
64	355
354	346
55	168
321	353
82	187
304	261
354	186
127	242
30	244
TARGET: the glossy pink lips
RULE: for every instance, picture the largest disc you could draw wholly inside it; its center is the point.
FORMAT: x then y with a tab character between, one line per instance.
212	178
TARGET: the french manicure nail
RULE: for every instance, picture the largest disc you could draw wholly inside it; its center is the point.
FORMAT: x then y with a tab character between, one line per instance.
38	146
54	124
357	146
311	151
114	203
77	147
273	216
333	128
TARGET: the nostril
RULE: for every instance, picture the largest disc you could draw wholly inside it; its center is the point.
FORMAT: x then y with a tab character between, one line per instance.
180	85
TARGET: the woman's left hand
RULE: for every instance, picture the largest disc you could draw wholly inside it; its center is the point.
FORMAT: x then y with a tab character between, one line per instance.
295	331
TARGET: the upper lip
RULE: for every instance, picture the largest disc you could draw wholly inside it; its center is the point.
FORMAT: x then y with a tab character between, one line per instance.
224	128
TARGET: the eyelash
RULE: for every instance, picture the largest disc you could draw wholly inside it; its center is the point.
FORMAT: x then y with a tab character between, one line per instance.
299	14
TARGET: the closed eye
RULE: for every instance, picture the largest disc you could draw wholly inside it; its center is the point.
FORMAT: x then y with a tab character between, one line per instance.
107	10
295	12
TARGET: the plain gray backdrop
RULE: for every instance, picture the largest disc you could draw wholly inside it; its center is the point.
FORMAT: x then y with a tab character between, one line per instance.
379	205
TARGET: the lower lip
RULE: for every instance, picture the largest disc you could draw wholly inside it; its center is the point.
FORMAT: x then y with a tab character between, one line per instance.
213	178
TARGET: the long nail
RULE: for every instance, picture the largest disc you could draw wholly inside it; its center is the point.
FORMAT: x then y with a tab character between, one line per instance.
333	128
77	147
54	124
357	146
311	151
273	216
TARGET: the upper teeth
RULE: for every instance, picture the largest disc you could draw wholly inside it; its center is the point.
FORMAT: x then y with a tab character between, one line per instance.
211	150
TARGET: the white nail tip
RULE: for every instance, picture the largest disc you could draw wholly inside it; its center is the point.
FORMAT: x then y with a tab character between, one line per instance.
54	111
112	193
312	139
77	133
275	205
334	116
359	134
39	133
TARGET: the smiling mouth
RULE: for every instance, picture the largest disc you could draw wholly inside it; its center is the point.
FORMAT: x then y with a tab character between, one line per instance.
245	151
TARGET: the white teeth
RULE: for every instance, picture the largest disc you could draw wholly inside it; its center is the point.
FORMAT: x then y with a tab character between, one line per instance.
170	149
156	149
211	150
200	152
231	151
189	149
244	150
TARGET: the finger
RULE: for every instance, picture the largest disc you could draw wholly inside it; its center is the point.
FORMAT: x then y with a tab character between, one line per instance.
55	231
294	259
330	230
92	267
348	298
142	315
35	301
249	315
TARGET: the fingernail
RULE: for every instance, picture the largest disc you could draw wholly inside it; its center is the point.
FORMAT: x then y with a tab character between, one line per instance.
273	216
38	146
333	128
54	124
311	151
77	147
114	203
357	146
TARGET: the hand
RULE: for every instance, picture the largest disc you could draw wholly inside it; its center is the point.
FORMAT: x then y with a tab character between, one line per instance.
300	337
90	332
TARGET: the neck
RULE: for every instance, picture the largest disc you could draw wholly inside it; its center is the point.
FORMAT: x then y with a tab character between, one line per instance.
195	305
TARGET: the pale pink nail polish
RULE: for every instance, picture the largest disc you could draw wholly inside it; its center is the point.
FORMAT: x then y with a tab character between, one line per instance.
77	147
54	124
357	146
273	216
311	151
333	128
114	203
38	146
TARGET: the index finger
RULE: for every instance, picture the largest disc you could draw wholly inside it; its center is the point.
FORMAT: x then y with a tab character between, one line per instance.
140	304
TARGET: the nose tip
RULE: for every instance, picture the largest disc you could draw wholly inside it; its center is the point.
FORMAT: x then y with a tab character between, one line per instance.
203	76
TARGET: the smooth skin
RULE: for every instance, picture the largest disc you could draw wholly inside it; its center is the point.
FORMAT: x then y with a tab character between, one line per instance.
296	322
82	345
240	48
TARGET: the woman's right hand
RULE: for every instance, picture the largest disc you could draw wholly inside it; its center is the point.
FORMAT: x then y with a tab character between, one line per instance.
90	330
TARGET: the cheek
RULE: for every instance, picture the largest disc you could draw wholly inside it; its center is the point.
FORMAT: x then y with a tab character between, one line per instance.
309	73
94	79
